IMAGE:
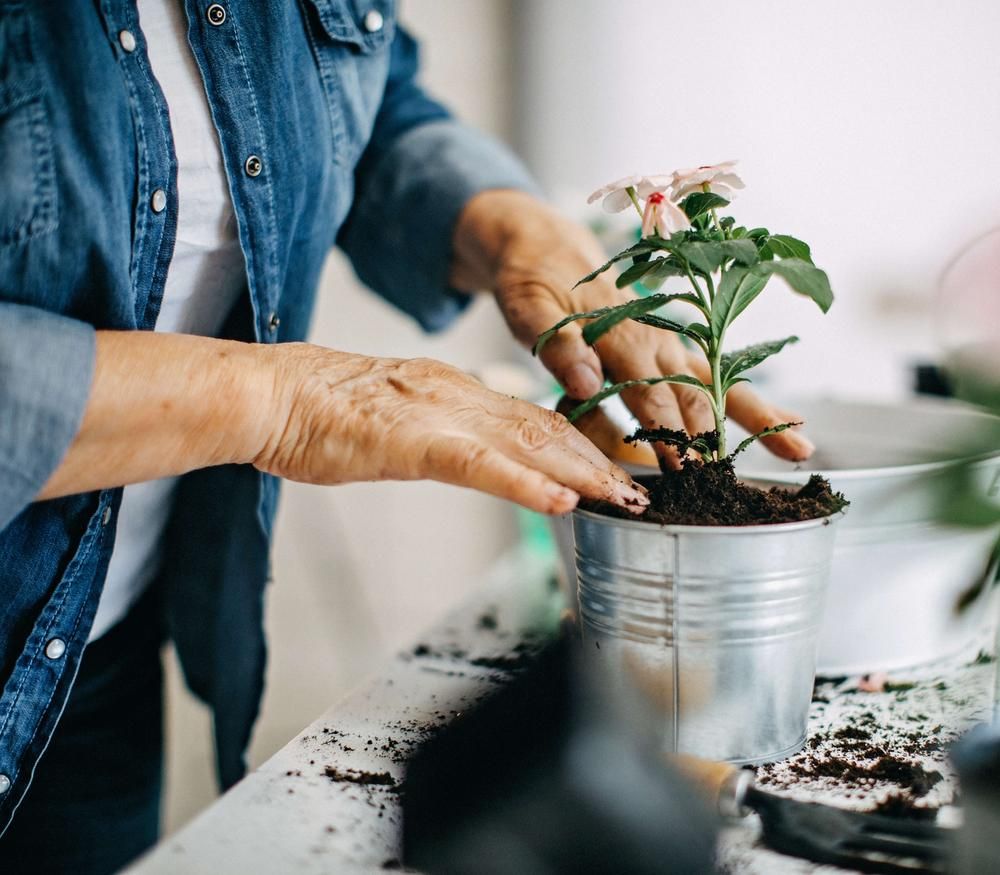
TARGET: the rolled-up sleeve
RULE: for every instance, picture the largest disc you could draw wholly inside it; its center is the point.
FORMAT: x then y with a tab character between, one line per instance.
419	170
46	368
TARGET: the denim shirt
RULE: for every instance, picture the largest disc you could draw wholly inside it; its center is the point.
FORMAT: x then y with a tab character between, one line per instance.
350	152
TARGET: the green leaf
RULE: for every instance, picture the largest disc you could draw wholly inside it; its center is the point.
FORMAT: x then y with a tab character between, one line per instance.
591	403
739	286
733	363
643	247
803	277
640	306
704	256
689	298
661	271
701	202
785	246
742	251
546	336
636	272
694	330
774	429
701	332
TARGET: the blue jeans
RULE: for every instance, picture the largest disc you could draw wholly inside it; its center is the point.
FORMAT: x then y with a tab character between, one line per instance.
94	802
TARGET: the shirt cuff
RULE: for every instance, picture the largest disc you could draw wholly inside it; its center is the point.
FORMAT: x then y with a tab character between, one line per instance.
46	368
400	235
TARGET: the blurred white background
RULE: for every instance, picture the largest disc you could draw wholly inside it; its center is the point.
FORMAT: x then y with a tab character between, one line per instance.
871	130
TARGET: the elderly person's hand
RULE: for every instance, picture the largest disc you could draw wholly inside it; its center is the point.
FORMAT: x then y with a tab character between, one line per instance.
163	404
349	417
531	257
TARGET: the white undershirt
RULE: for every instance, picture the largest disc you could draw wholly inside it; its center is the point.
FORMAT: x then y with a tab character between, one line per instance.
205	277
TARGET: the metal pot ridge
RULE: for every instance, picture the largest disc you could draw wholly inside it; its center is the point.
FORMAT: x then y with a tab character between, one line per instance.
715	628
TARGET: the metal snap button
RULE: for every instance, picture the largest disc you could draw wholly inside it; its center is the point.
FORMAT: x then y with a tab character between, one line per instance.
158	201
253	166
215	14
4	784
106	516
273	322
55	648
374	21
126	39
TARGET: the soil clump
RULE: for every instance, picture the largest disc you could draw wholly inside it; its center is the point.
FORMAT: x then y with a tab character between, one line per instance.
710	494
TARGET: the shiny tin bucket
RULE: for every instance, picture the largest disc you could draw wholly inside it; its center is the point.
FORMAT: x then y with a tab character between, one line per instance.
714	628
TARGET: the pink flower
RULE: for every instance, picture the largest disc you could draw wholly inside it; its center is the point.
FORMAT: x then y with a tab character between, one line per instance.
719	178
662	215
616	194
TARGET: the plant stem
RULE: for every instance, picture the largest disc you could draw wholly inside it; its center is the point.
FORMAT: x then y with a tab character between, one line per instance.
715	216
719	407
696	285
630	191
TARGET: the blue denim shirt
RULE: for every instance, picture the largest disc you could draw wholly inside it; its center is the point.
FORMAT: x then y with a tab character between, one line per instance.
353	153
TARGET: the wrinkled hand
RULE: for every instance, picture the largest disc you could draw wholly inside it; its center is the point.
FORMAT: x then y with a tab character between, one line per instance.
338	417
535	256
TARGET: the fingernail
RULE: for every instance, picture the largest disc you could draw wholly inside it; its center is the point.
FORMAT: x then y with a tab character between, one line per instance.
631	497
562	495
804	446
581	381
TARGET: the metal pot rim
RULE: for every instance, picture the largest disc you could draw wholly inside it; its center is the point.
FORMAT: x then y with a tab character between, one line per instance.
864	473
710	530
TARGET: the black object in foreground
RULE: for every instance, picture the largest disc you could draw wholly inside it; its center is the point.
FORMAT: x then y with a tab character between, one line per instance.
851	839
524	783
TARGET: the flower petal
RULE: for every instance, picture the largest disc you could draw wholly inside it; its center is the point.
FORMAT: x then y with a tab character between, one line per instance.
672	219
617	201
622	184
649	218
730	179
648	185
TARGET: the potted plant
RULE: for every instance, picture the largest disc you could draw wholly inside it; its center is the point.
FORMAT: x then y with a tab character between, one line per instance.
710	601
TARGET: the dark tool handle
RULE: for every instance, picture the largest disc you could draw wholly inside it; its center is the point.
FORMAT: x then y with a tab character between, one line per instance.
722	784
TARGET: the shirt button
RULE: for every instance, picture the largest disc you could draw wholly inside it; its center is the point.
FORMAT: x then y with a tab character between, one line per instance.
106	516
215	14
374	21
253	166
273	322
158	201
55	648
4	784
126	39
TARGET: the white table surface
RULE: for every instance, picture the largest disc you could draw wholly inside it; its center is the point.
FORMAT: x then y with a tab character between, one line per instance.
291	816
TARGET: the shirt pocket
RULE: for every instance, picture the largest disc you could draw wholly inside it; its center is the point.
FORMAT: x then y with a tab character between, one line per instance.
351	42
27	170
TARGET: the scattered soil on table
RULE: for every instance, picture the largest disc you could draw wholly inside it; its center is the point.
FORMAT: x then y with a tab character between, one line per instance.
352	776
901	805
520	657
701	494
907	775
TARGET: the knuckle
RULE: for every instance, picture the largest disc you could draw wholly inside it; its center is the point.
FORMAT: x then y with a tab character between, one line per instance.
530	436
469	460
555	422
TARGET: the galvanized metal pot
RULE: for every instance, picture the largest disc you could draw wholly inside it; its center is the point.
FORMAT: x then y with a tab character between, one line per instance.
714	627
